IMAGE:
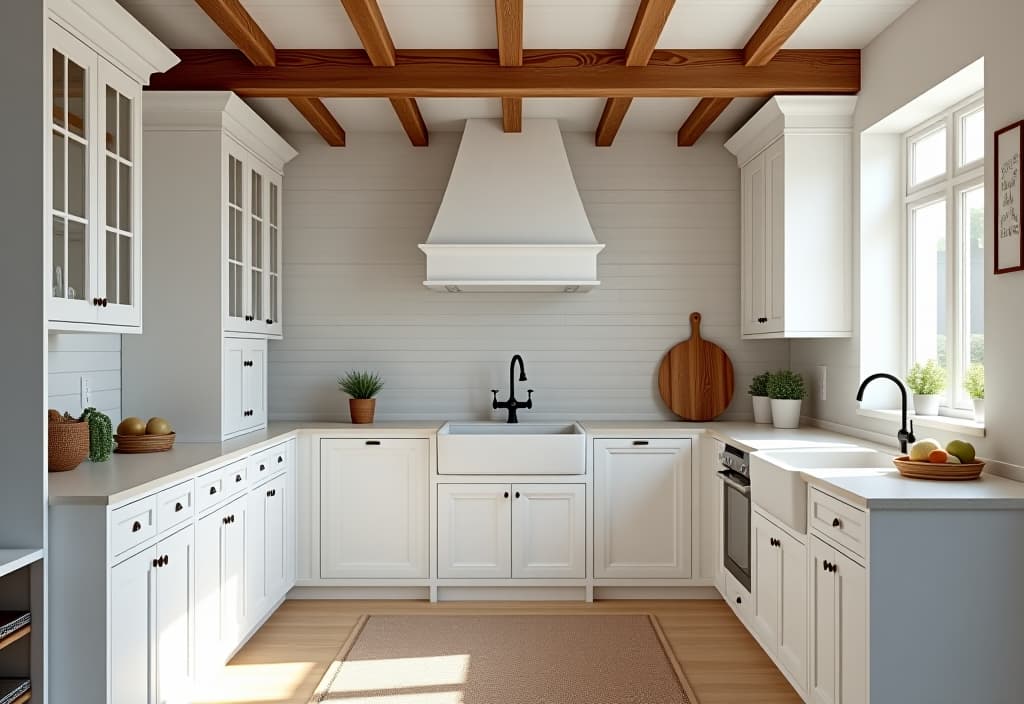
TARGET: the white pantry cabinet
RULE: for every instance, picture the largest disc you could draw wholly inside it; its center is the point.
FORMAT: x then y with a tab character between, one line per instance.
374	508
151	612
839	617
93	158
779	614
796	202
642	508
518	531
213	264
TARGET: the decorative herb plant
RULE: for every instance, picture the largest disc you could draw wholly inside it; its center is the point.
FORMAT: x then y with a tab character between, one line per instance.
361	384
101	435
759	385
786	385
974	382
927	379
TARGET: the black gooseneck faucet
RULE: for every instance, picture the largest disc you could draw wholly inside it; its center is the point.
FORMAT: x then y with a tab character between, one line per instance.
905	436
512	404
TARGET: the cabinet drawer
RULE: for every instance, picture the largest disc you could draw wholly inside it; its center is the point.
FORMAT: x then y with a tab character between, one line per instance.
235	477
210	489
132	525
840	522
175	505
738	598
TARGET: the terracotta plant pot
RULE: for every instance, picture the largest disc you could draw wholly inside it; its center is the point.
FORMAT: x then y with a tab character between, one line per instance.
762	409
786	413
361	409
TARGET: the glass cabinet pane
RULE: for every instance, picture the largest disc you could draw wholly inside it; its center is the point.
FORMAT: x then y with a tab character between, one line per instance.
236	247
58	247
256	246
125	128
274	246
77	177
111	265
117	253
76	102
77	252
110	138
57	85
58	158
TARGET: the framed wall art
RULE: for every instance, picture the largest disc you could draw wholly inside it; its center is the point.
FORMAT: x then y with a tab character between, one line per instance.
1009	152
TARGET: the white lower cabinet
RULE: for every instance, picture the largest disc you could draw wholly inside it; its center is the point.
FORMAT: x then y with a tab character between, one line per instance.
220	583
519	531
266	574
779	613
642	508
374	497
151	615
838	609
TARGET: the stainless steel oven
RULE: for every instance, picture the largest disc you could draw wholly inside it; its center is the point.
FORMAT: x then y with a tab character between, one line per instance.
735	476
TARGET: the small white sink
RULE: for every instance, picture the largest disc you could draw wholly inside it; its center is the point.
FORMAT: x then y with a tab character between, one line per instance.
511	448
776	484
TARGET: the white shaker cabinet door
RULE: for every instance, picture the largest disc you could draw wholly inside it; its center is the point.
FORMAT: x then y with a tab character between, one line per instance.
174	617
474	531
824	625
766	556
132	618
549	531
374	508
642	508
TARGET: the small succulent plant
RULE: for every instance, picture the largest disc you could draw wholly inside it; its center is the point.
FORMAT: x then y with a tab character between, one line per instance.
361	384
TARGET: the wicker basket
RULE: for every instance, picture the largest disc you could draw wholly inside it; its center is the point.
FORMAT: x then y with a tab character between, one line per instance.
138	444
939	471
68	444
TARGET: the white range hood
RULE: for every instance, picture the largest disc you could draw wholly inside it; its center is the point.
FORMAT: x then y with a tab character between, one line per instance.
511	218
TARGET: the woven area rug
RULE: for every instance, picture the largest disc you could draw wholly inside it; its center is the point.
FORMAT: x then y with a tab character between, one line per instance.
516	659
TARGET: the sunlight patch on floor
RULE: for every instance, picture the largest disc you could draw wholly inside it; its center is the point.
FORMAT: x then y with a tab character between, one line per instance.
402	673
454	697
252	684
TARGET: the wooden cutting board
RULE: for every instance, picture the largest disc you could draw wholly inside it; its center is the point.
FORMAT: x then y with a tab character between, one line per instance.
696	378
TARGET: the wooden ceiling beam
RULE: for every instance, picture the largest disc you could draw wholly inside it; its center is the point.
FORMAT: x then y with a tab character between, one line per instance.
314	110
706	112
474	73
509	18
780	24
766	42
369	24
241	28
650	19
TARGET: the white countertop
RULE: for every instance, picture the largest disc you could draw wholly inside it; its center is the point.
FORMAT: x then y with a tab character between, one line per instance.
125	477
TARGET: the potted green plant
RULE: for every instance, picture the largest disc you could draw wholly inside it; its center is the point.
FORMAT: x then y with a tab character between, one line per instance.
787	391
759	395
927	381
362	387
974	384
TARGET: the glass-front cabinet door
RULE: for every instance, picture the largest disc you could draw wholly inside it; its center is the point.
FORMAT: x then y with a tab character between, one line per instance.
119	256
71	252
236	315
274	252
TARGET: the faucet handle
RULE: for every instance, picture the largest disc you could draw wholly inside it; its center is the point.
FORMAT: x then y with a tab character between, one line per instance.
529	399
494	402
910	437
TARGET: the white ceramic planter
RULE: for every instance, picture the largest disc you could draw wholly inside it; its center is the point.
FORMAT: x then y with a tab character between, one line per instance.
979	409
785	413
926	404
762	409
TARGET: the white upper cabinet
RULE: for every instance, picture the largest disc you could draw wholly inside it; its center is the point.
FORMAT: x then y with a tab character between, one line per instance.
93	156
796	201
221	158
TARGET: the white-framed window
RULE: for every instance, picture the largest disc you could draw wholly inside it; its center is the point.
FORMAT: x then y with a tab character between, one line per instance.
944	194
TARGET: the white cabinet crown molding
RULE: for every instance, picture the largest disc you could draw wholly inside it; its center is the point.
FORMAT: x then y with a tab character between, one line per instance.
792	114
216	111
115	33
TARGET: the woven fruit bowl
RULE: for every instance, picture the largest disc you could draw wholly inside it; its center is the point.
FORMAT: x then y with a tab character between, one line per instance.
942	471
138	444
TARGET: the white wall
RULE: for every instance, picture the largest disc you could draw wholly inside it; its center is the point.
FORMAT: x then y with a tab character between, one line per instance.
930	42
98	358
354	296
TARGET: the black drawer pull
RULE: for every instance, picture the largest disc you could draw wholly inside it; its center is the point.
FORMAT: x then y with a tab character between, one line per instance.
368	442
213	490
263	467
136	527
238	478
836	523
640	442
178	507
280	459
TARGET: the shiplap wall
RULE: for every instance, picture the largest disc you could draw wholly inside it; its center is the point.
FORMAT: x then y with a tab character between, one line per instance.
354	297
97	357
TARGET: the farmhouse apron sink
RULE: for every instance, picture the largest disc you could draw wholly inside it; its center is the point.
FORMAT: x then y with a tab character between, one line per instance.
507	449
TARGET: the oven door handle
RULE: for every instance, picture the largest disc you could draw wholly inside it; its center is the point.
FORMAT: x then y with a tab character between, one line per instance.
745	490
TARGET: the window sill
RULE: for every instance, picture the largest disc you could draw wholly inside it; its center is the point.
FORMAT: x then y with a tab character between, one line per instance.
962	426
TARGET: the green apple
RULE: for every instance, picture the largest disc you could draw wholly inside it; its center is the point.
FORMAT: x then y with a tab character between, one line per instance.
963	451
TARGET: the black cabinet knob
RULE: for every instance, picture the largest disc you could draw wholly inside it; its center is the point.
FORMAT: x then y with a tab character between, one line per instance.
739	600
269	321
263	467
280	459
167	559
136	527
506	494
517	494
238	478
836	523
213	490
156	562
178	507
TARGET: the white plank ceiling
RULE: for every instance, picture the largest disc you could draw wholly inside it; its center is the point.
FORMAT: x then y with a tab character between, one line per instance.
548	24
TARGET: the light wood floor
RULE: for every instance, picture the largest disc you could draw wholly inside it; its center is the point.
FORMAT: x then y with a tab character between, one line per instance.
285	660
